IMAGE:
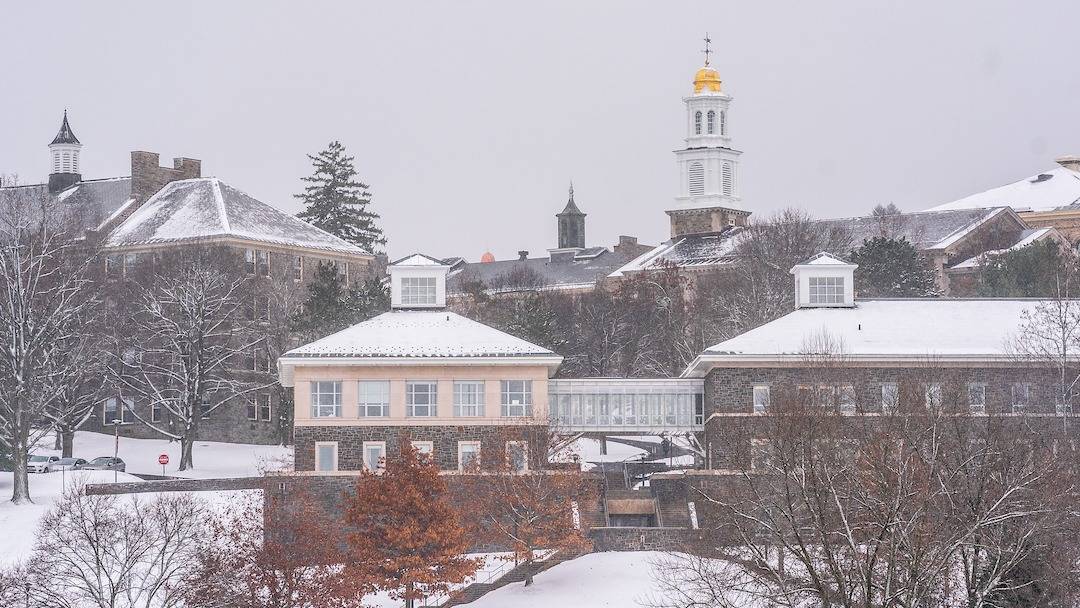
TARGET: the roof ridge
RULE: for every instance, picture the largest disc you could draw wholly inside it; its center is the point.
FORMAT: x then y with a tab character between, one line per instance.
215	185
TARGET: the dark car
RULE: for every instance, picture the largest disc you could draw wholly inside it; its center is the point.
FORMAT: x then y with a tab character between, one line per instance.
68	464
105	463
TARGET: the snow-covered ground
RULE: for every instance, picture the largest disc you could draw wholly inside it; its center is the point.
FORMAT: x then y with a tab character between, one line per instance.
622	579
212	459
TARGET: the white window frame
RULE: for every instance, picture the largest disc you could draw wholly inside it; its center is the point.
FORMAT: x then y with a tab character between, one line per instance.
252	408
469	390
419	291
262	262
266	412
934	396
298	268
825	290
318	452
508	408
697	122
524	445
424	447
367	406
1017	406
123	404
710	121
249	261
890	397
723	122
317	390
156	410
461	452
379	466
977	388
761	398
410	394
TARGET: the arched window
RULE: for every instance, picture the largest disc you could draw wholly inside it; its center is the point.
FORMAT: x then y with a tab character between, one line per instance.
697	179
723	122
712	122
697	123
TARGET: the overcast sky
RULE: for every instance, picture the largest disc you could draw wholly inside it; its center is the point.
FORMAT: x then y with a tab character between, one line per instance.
469	118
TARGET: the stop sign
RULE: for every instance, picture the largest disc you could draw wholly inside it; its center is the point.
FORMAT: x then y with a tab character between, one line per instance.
163	459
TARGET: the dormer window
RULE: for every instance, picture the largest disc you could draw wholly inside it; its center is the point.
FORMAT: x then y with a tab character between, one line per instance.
826	290
824	281
418	291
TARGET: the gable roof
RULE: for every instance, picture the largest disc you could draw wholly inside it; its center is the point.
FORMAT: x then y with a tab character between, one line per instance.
688	251
1057	188
419	259
824	258
207	208
89	203
880	330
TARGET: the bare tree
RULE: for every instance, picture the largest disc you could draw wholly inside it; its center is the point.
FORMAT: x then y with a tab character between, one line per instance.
1049	335
191	326
44	297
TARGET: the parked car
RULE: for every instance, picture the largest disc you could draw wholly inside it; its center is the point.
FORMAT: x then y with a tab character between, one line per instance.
68	464
106	463
41	464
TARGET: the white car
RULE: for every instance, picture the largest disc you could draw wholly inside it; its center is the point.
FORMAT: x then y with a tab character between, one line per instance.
41	464
68	464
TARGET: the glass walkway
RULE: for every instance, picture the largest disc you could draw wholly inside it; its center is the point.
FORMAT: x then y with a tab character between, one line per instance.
627	405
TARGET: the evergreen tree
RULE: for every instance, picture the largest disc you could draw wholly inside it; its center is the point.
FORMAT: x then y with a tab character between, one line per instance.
892	268
337	202
1036	271
331	305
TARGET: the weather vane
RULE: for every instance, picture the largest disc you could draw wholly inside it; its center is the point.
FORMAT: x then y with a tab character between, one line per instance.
707	51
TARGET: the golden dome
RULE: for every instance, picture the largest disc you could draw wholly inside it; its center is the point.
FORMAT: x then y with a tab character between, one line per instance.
707	79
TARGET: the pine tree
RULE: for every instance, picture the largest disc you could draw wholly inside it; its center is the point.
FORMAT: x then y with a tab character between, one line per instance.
332	306
892	268
406	537
337	202
1038	270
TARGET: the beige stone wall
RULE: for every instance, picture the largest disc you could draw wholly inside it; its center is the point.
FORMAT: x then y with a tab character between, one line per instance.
398	375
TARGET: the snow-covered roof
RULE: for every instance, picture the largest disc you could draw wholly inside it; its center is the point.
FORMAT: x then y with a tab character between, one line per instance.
879	330
419	259
88	203
687	251
825	259
580	271
1053	189
412	336
207	208
1029	236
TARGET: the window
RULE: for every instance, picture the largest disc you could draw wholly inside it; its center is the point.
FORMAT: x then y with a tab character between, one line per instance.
264	406
298	268
260	310
427	448
249	261
114	266
131	260
260	360
712	122
697	179
115	408
204	405
890	397
933	395
326	456
1021	397
374	398
374	455
723	122
826	290
262	263
468	398
761	398
697	123
418	291
252	410
517	456
977	398
760	454
517	397
326	399
845	398
727	175
421	398
157	412
468	455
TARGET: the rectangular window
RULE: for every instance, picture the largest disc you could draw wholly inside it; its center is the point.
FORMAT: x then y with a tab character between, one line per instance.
933	395
418	291
157	412
516	398
252	410
374	398
977	398
374	455
890	397
249	261
113	266
205	406
760	454
326	456
421	398
262	262
131	260
114	410
761	398
298	268
845	398
468	398
260	309
517	456
264	406
424	447
326	399
727	176
826	290
1021	397
468	455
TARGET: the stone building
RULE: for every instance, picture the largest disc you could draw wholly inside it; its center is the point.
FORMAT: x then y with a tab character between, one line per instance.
135	219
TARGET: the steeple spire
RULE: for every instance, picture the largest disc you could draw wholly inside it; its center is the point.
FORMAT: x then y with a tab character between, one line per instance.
571	224
65	135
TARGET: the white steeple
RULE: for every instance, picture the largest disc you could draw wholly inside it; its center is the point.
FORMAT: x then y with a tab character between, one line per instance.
708	165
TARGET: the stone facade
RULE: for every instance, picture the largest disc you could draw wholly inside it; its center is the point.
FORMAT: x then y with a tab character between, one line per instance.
228	423
445	438
700	221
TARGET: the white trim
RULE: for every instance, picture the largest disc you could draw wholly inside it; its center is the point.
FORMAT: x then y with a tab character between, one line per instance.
525	455
420	445
461	444
319	444
364	455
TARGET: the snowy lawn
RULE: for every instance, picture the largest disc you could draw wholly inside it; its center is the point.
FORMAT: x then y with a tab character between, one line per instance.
622	579
212	459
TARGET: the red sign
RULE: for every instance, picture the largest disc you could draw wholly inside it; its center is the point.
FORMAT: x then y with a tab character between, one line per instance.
163	459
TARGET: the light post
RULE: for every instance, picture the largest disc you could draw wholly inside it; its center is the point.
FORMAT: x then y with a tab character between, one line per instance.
116	448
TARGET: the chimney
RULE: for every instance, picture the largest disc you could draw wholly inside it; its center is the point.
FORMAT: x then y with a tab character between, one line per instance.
523	255
147	176
1069	161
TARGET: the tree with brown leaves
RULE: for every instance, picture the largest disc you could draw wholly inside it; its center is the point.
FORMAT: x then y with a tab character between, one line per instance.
404	535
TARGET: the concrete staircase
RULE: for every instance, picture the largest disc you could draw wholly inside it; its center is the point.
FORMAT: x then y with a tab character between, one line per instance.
517	574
